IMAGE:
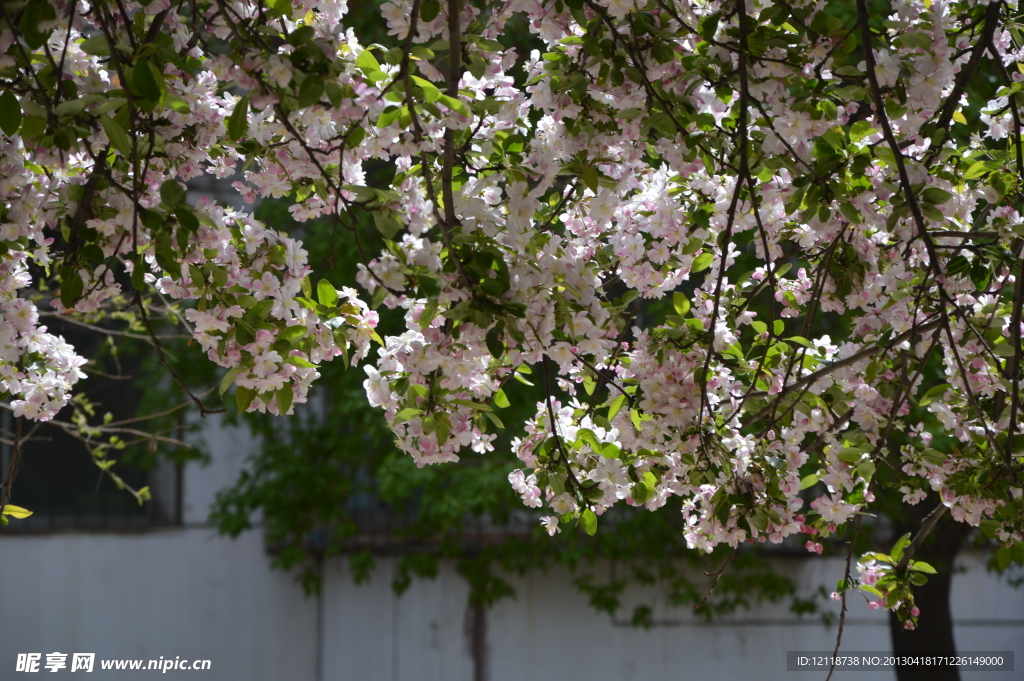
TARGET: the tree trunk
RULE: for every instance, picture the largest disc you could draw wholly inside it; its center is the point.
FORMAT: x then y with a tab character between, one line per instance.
934	632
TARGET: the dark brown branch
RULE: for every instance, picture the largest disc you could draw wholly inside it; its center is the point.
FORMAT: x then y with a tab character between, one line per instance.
922	533
962	78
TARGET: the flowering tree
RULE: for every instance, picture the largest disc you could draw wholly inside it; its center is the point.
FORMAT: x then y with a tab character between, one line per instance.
741	245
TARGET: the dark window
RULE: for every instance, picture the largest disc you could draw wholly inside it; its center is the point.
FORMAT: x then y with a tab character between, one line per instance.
57	478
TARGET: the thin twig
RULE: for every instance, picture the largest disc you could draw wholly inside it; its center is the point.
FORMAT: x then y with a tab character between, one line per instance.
203	410
12	465
842	612
718	577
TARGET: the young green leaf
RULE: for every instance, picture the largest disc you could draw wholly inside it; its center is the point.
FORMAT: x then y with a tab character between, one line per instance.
116	135
16	511
326	294
238	121
589	522
10	113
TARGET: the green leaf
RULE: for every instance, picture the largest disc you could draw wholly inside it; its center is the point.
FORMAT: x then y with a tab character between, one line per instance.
778	326
1017	551
430	91
871	590
112	104
936	196
897	549
851	455
244	397
809	481
1003	350
139	276
702	262
615	406
442	429
293	333
429	10
71	287
10	113
931	212
1003	557
932	393
589	176
958	265
495	342
587	436
522	380
455	105
238	123
367	62
860	130
116	135
313	87
977	169
922	566
405	415
850	212
71	107
326	294
471	404
16	511
263	308
36	12
680	303
228	379
176	103
921	40
172	194
990	527
589	522
284	398
641	492
389	116
299	362
386	223
500	399
149	82
477	66
96	46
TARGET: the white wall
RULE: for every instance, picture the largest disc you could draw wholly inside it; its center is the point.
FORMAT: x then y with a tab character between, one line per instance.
193	594
550	632
185	593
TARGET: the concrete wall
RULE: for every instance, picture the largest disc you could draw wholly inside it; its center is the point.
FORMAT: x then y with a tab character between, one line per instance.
188	592
192	594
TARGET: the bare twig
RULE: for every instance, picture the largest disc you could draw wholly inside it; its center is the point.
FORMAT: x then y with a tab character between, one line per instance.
842	612
718	577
